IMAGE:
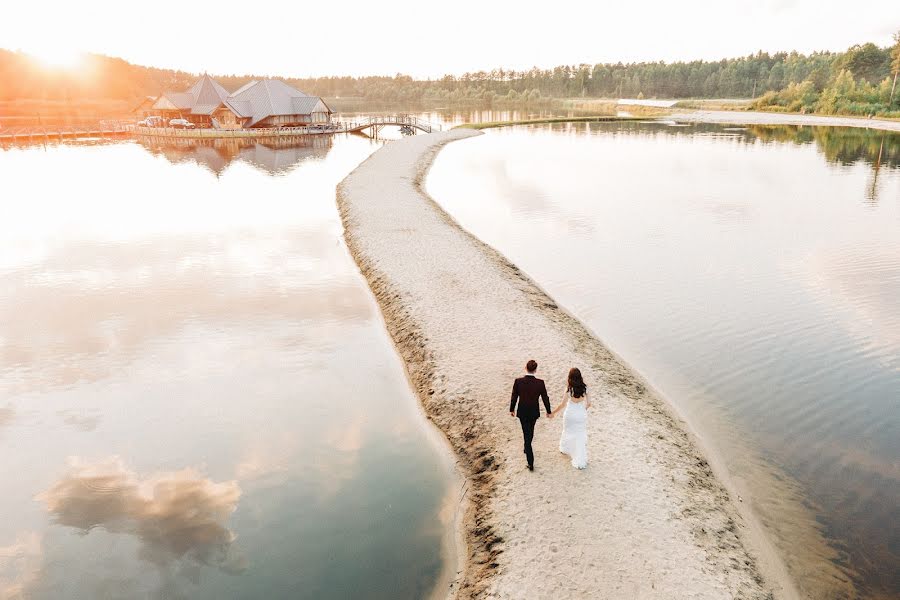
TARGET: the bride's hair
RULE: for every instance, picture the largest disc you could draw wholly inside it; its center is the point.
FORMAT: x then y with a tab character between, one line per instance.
576	383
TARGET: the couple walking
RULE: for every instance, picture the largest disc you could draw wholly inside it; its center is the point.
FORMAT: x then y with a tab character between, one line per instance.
528	390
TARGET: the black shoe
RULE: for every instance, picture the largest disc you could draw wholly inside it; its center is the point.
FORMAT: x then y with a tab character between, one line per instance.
531	467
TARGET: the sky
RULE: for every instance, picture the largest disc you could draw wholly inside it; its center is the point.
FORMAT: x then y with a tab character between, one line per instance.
425	39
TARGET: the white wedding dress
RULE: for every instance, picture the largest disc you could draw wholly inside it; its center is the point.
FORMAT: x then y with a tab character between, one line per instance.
574	435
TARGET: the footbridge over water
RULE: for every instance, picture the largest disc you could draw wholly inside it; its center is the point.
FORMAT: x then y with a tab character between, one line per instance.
373	124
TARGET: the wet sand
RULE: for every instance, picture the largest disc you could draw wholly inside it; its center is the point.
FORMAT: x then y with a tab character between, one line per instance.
648	518
767	118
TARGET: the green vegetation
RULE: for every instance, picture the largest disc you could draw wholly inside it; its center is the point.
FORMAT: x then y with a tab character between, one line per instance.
715	103
860	81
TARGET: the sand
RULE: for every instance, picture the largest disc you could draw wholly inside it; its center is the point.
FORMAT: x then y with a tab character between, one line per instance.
766	118
648	518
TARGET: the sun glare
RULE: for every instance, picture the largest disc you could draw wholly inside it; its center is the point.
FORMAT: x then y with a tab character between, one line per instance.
58	58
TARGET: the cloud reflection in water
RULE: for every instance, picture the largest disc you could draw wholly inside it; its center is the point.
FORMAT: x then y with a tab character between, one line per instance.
20	564
180	517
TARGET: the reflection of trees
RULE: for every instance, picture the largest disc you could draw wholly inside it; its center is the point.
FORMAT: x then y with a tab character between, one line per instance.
274	156
872	192
839	145
178	517
843	146
784	134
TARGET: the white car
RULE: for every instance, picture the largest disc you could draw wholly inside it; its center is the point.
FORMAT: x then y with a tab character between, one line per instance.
152	122
181	124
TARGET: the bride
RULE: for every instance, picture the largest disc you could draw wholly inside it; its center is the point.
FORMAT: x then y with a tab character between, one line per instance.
574	435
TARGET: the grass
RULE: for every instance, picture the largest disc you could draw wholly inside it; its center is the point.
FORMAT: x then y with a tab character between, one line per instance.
715	103
592	119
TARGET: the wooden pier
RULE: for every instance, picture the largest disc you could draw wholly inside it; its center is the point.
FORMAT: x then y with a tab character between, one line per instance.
116	129
101	129
370	125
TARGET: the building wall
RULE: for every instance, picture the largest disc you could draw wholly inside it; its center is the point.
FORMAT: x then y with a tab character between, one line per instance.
199	120
295	120
227	119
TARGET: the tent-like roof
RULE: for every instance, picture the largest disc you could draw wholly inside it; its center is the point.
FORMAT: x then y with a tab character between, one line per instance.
208	95
271	97
254	101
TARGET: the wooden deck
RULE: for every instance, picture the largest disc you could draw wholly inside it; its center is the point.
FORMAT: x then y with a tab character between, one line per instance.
372	125
102	129
367	126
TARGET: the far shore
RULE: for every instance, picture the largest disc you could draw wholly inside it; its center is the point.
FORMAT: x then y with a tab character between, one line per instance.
649	518
548	120
736	117
779	118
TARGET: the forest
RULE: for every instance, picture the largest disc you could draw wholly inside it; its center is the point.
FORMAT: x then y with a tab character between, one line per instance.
861	81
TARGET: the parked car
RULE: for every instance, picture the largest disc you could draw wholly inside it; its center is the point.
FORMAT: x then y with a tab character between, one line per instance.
152	122
181	124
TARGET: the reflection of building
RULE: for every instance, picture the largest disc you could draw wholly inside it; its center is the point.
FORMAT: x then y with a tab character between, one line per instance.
274	156
264	103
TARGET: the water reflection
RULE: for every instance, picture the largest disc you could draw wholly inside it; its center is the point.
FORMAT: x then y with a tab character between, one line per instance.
61	324
20	564
844	146
6	415
213	333
180	518
748	273
274	156
839	145
86	422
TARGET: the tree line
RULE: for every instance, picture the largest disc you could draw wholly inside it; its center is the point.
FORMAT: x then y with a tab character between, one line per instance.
861	80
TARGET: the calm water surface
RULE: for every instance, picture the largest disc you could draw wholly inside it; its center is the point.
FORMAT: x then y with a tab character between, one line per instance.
753	275
198	398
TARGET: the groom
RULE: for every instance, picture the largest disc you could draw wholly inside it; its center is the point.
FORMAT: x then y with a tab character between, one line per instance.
526	390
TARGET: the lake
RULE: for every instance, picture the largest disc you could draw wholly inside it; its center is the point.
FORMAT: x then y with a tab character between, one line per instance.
752	275
198	397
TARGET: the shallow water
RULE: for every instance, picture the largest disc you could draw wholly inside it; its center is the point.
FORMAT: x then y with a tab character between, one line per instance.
752	274
198	398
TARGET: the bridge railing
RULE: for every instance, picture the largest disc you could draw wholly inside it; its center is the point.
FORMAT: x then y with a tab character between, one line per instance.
241	133
400	120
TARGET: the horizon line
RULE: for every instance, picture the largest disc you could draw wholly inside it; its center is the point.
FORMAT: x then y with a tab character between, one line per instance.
438	77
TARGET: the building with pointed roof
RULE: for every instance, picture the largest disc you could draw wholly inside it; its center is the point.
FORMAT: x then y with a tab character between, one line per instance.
264	103
197	104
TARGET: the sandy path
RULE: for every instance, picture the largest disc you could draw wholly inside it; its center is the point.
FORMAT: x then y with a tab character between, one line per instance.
765	118
647	519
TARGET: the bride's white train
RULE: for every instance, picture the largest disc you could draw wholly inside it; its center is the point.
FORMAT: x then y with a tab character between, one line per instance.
573	440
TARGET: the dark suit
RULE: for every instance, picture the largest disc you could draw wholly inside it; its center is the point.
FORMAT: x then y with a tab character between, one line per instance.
527	391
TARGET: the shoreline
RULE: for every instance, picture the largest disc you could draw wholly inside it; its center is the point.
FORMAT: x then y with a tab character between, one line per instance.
454	504
548	120
734	117
725	117
651	517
